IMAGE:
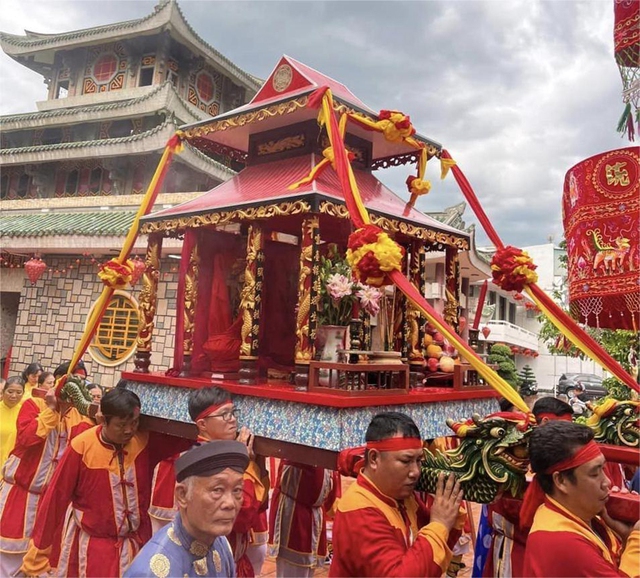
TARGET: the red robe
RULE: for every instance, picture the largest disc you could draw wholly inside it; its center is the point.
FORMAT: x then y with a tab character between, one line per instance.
375	535
561	544
108	488
42	437
250	519
506	554
297	525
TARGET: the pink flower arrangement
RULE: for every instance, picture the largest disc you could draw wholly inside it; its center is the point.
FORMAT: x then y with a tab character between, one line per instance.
339	291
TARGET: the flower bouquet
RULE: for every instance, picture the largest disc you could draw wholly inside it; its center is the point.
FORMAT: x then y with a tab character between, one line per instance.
339	291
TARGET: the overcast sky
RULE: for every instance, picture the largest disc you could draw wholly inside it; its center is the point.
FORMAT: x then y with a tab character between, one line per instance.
517	91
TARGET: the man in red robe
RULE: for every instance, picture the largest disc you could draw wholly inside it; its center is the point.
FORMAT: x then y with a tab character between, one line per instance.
506	553
105	476
45	427
571	533
214	414
380	526
297	517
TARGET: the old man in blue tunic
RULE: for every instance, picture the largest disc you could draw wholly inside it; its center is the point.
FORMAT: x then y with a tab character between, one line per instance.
209	496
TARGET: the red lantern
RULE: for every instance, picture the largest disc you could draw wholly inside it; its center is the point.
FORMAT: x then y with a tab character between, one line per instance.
515	349
35	268
518	296
601	216
139	268
486	331
535	354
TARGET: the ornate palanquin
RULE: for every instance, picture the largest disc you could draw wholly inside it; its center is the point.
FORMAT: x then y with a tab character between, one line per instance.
247	304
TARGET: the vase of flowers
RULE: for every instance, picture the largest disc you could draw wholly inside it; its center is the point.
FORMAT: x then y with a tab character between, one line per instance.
340	296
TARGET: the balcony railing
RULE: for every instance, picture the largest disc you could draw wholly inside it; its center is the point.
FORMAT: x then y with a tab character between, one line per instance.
511	334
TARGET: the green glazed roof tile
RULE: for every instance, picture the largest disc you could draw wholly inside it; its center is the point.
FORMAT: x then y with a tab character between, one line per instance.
94	224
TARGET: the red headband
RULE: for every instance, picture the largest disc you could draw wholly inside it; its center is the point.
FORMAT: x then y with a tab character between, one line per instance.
554	417
212	408
395	444
534	496
585	454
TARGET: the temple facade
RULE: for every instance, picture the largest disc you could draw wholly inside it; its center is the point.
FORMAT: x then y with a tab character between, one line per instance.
74	171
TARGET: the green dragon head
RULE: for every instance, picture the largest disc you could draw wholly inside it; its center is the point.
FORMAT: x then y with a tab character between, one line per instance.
617	422
492	456
75	391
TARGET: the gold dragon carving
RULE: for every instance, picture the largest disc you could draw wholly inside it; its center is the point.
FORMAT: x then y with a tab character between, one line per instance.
148	297
304	347
248	303
226	217
190	298
395	226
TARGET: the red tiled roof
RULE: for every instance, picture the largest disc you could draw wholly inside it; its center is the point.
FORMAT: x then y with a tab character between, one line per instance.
268	182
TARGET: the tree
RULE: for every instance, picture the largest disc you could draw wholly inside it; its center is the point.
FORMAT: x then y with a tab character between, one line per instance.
500	355
528	383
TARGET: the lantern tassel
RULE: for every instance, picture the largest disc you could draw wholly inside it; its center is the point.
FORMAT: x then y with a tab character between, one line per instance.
624	119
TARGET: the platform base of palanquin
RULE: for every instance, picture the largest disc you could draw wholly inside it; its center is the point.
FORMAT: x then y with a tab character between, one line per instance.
308	427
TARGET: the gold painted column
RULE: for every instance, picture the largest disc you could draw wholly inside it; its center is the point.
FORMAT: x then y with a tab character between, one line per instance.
250	303
190	303
417	323
308	292
147	303
452	286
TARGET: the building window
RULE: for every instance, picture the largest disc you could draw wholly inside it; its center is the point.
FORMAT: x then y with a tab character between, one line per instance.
105	67
63	89
52	136
146	76
204	86
115	339
24	184
172	77
4	186
72	182
95	180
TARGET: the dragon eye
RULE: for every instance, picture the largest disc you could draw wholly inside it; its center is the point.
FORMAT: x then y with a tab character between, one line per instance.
496	432
627	411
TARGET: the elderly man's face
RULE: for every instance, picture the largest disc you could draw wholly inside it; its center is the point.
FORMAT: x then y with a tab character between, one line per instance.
209	505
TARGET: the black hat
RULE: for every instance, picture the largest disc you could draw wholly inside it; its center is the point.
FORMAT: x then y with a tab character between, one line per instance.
211	458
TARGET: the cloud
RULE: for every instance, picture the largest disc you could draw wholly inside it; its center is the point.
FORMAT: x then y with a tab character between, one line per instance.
517	91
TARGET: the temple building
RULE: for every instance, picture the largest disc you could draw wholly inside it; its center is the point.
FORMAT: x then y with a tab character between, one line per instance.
72	175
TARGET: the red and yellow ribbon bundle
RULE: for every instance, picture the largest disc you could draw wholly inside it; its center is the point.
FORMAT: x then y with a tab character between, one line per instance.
116	275
512	269
372	255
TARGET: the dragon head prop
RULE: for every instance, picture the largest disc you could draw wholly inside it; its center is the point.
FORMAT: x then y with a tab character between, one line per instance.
74	390
617	423
492	456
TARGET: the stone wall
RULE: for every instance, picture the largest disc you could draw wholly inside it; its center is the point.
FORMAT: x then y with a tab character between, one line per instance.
52	315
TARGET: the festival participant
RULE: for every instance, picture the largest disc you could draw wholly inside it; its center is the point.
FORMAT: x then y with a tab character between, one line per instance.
297	517
216	418
80	370
550	408
95	391
571	533
209	496
30	377
380	527
44	428
505	556
105	475
12	392
46	380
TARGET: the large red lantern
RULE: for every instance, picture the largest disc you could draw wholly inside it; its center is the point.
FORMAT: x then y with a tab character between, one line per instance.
600	211
35	267
486	331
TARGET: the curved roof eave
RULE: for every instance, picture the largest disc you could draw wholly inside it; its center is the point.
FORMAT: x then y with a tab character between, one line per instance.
167	13
163	97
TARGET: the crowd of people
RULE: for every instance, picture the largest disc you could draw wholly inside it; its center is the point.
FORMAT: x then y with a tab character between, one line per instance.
101	497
